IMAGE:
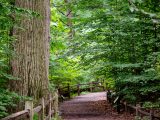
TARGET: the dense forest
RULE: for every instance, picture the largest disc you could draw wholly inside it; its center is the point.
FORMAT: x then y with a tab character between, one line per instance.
45	45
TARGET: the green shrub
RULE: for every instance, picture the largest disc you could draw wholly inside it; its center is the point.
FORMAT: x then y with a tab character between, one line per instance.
7	100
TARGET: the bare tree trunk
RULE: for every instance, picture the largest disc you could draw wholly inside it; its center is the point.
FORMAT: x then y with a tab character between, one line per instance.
31	61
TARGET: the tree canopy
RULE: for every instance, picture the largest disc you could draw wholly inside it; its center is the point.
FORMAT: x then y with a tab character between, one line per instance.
115	41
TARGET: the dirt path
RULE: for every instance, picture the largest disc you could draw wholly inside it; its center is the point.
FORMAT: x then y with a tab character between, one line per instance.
92	106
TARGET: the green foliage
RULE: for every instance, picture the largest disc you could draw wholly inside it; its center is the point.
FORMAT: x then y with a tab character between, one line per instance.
35	117
5	39
117	41
64	69
7	100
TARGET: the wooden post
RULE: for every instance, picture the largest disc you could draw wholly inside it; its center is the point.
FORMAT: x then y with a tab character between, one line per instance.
29	106
91	90
137	110
151	114
42	111
103	88
50	107
125	107
106	86
78	89
55	102
69	96
118	105
109	99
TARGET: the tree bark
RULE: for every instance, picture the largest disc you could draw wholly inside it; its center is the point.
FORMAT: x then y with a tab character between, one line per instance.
31	47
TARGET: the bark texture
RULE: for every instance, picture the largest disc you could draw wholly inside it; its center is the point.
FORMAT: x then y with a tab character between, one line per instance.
31	61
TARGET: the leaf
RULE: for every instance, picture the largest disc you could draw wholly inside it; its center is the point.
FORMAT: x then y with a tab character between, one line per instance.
131	9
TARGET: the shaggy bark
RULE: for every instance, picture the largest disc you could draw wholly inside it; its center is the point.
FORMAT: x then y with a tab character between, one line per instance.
32	50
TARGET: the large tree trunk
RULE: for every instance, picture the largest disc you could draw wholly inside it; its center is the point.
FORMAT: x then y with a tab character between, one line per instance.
32	50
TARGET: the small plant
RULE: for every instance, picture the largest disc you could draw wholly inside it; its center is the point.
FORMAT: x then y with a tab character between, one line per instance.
137	118
57	117
83	93
7	100
35	117
146	118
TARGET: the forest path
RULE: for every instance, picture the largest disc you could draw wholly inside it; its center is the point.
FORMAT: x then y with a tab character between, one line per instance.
92	106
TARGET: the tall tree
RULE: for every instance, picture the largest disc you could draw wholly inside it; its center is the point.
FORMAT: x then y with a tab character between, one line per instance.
31	49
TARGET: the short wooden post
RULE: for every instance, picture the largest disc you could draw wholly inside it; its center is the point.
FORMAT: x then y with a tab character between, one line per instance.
78	89
137	110
109	99
118	106
55	103
43	111
29	106
69	96
50	107
151	114
106	86
125	107
103	88
91	85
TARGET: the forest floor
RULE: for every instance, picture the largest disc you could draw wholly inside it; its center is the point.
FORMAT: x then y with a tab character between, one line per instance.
92	106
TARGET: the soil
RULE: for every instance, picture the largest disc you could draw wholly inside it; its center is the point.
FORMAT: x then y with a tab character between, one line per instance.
92	106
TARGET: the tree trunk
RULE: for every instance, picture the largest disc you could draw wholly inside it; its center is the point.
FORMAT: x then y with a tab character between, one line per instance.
69	19
31	61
